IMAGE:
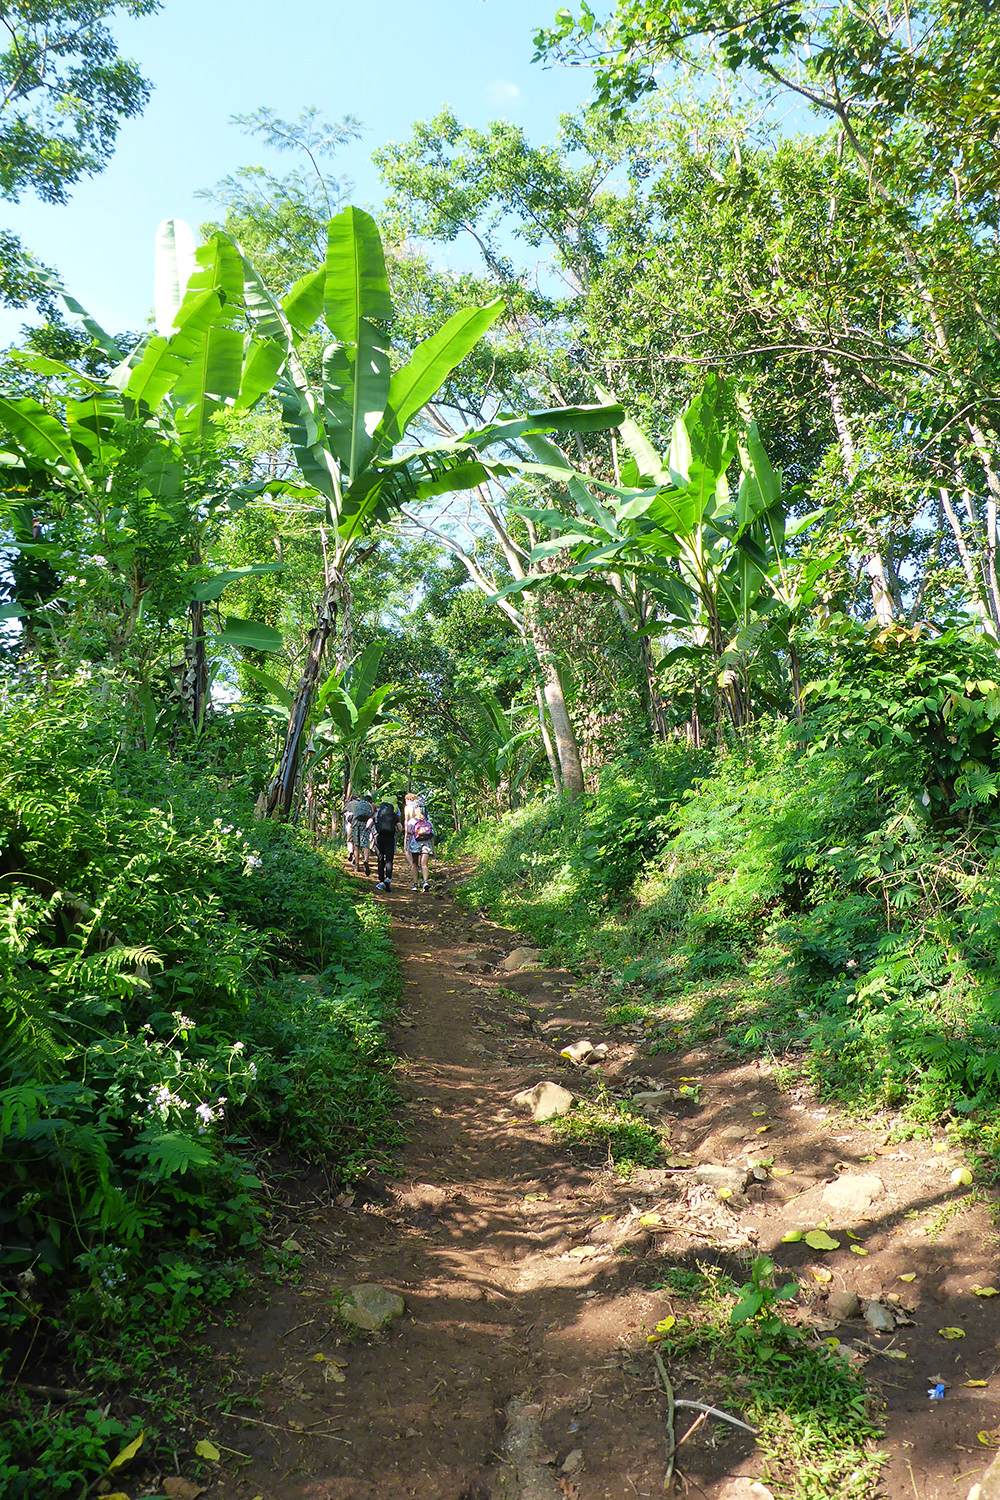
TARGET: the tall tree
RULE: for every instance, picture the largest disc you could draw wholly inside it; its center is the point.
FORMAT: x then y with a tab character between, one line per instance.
64	93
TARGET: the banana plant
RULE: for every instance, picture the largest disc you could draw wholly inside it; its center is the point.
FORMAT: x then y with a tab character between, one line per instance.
345	432
713	564
140	450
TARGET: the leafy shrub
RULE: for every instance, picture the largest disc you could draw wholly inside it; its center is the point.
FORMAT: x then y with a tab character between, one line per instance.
152	1022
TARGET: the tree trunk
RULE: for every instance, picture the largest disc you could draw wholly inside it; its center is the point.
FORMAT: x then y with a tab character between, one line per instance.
567	747
281	793
194	687
550	749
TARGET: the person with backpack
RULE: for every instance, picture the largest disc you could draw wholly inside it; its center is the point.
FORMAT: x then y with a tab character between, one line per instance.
362	811
418	839
386	824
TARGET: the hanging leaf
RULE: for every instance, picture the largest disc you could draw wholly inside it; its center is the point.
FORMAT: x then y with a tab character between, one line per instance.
247	633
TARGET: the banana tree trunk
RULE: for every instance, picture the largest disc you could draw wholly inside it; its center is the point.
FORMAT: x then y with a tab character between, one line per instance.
194	688
281	793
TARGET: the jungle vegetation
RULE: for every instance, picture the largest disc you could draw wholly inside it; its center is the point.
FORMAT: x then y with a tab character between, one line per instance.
659	546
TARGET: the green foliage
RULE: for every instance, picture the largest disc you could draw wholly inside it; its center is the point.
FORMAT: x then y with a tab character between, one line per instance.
835	884
180	987
812	1412
563	871
606	1125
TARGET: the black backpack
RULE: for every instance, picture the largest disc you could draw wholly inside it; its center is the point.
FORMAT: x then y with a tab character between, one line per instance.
385	818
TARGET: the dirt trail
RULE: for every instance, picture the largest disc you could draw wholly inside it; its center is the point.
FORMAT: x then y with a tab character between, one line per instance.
521	1369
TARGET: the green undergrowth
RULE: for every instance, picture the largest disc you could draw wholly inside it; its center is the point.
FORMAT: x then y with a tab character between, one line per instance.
816	1421
608	1132
183	990
830	890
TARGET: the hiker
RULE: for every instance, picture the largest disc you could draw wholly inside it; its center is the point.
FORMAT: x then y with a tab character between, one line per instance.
361	810
418	839
386	824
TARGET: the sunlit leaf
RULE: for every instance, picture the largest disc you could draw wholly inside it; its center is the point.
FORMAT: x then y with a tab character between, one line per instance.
961	1177
818	1239
205	1449
952	1333
907	1276
985	1291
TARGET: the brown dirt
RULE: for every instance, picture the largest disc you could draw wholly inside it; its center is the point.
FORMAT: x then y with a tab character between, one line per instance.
530	1279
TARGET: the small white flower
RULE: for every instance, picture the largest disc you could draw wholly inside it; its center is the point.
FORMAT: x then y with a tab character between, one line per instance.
253	861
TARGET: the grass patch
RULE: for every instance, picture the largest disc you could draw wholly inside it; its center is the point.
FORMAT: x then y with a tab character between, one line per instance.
816	1420
606	1126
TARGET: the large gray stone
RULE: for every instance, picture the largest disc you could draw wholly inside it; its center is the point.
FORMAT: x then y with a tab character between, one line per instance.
370	1306
521	958
728	1179
852	1195
544	1100
744	1488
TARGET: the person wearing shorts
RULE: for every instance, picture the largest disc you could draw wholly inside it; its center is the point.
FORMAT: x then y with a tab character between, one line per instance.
419	846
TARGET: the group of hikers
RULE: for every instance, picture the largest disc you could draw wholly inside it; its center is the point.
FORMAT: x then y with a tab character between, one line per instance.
367	823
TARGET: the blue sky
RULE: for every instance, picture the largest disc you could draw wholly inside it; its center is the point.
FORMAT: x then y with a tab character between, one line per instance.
388	64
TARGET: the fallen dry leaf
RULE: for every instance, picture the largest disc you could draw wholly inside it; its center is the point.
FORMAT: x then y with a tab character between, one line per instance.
822	1275
127	1454
907	1276
205	1449
176	1487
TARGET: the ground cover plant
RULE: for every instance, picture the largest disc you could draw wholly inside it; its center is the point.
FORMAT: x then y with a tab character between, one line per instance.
831	882
182	988
816	1423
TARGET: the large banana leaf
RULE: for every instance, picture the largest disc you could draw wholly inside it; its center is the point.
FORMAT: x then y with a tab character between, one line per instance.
358	309
40	436
173	265
153	368
429	366
91	423
356	287
355	390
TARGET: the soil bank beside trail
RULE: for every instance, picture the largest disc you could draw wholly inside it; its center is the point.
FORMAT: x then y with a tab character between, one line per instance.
530	1272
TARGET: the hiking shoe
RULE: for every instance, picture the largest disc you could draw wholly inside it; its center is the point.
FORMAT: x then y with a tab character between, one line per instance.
426	885
414	887
387	886
380	886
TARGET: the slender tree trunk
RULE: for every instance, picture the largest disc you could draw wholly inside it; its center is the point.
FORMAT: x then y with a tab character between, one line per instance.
281	793
550	749
567	746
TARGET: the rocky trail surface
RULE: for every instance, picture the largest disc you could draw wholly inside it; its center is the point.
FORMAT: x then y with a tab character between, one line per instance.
513	1278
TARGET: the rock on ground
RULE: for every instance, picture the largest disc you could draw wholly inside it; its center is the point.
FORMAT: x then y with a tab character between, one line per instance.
544	1100
988	1487
371	1307
853	1195
521	958
723	1179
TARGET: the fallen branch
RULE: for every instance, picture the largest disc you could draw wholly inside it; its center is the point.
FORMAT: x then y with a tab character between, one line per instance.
713	1411
671	1405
